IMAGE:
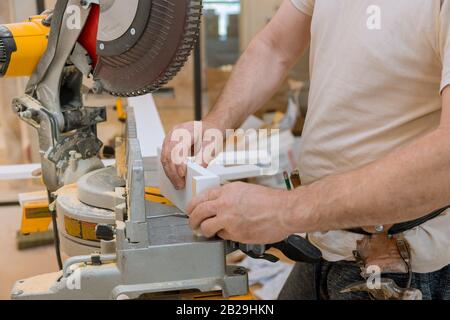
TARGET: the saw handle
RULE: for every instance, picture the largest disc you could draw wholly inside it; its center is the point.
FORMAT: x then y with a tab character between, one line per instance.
299	249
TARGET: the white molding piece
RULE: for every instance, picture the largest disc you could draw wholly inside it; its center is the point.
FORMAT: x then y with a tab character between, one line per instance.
235	172
198	180
255	163
25	171
18	172
150	131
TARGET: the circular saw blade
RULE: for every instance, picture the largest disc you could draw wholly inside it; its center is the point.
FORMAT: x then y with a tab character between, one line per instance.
163	48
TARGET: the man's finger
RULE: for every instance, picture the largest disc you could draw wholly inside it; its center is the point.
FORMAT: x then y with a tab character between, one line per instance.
167	162
166	150
182	170
211	227
177	181
224	235
209	195
208	152
202	212
171	173
174	155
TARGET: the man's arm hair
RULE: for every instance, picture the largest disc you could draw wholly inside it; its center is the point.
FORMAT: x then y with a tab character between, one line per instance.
262	68
405	185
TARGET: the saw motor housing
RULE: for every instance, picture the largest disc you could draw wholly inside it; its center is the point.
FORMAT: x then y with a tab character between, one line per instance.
22	46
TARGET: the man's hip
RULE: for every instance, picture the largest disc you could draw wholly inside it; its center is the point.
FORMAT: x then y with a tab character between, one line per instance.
429	244
327	280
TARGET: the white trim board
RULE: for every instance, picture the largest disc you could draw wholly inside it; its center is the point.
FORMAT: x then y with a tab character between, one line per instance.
198	180
150	131
25	171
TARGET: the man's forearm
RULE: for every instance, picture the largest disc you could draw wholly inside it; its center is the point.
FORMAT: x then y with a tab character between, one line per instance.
407	184
263	67
255	78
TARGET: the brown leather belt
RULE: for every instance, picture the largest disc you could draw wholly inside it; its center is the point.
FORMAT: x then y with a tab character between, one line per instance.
386	249
405	226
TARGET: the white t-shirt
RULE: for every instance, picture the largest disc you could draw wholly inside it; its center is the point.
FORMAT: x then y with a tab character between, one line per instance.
377	70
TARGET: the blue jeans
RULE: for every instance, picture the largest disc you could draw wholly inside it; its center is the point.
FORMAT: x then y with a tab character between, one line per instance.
325	282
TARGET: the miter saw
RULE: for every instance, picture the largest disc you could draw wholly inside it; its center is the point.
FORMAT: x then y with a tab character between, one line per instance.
123	239
128	47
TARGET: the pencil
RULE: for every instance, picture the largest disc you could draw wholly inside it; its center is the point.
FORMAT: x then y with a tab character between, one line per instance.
287	181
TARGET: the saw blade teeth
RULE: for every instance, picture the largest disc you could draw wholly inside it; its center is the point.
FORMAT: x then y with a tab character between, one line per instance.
183	51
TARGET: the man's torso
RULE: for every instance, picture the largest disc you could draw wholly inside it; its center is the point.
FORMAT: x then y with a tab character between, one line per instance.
376	76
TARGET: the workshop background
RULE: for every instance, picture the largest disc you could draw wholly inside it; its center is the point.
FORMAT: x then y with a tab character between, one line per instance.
227	28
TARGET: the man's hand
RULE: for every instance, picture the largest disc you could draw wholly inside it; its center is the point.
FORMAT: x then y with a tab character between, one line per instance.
241	212
269	56
175	164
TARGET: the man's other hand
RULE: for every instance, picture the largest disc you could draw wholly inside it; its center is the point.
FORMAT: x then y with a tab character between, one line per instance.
184	141
241	212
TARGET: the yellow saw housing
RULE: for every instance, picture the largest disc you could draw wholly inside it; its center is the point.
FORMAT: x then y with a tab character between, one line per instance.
22	46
